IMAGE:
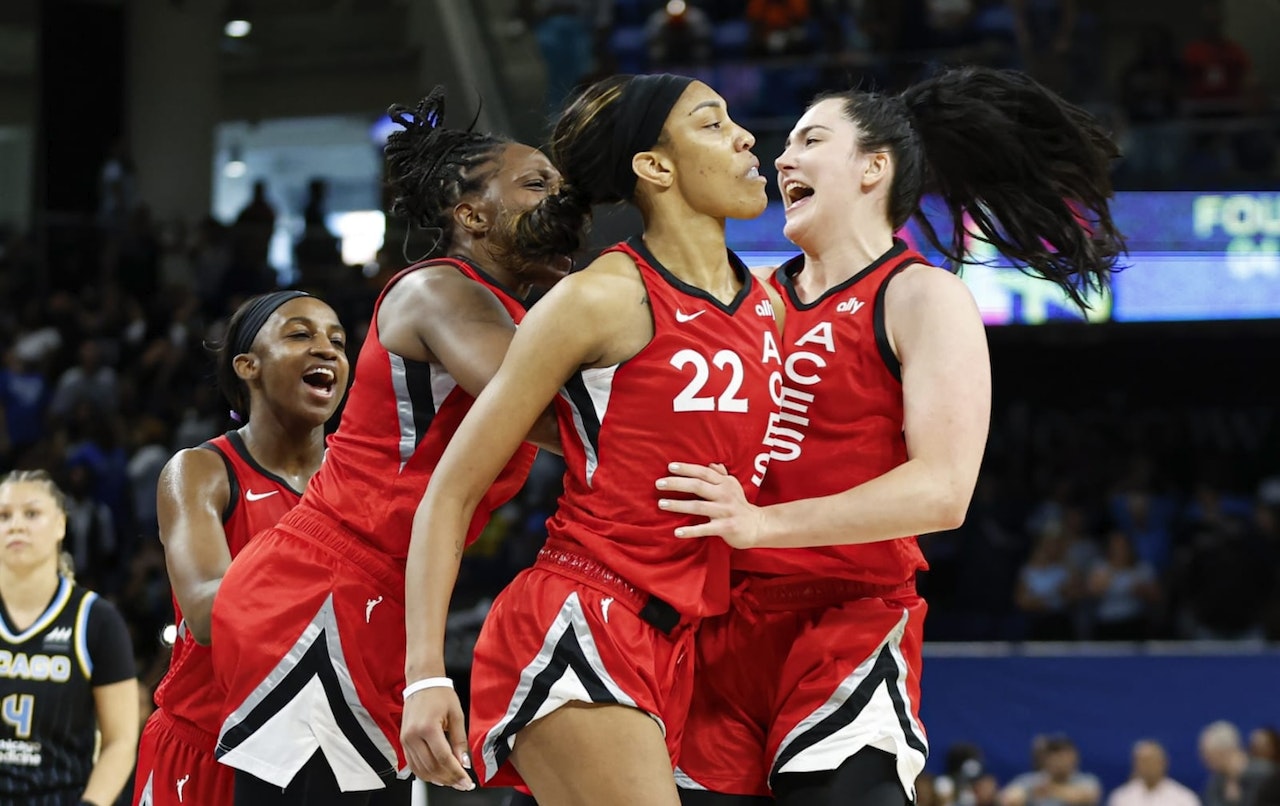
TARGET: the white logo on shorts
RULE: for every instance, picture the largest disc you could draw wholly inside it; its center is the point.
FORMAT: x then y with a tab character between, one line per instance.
604	607
181	783
369	606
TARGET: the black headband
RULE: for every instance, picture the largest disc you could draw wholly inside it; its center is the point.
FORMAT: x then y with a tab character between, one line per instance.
256	316
642	110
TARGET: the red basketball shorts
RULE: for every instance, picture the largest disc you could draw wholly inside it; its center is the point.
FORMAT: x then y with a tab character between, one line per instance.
308	643
569	630
798	676
176	766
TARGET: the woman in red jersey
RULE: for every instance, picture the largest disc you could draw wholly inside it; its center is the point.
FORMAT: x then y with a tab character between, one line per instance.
284	369
308	623
582	673
883	419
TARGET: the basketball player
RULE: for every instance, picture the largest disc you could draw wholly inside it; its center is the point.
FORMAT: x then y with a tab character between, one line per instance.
809	687
582	673
308	625
283	368
66	663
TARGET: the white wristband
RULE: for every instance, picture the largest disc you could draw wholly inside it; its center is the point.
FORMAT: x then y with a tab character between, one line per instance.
426	683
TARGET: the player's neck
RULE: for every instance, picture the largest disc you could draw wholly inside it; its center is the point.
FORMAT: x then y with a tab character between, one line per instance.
694	251
827	265
27	592
293	453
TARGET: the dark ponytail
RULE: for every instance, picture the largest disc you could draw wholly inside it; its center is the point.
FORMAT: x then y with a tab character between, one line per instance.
430	168
580	149
1031	171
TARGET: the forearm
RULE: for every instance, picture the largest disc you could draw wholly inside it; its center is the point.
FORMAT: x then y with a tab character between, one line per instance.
197	609
911	499
115	765
431	570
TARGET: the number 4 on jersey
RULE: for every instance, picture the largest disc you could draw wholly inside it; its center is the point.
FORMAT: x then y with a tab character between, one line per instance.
17	710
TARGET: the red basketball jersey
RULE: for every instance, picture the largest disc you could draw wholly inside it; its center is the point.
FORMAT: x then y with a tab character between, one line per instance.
841	418
399	416
259	498
698	392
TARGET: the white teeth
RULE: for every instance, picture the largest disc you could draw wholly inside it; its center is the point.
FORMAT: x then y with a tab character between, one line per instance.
323	371
753	173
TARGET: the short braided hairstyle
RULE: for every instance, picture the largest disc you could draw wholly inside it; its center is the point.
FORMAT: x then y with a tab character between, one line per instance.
430	168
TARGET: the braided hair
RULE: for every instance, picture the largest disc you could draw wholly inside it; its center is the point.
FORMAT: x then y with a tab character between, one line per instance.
430	168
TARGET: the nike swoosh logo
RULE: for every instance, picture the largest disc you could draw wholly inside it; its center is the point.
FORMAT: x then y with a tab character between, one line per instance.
250	495
681	316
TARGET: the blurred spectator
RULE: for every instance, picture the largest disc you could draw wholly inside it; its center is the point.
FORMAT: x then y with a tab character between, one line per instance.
89	381
778	27
1231	781
91	532
117	187
1125	591
24	396
211	256
317	252
1060	783
1150	91
566	31
1218	69
1045	30
1151	784
1222	580
254	227
678	34
1264	747
1047	588
962	781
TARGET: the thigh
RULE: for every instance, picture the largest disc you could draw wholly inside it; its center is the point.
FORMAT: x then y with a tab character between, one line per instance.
584	755
550	642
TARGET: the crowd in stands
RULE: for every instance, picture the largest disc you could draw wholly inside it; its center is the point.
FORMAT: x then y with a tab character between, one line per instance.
1189	110
1235	773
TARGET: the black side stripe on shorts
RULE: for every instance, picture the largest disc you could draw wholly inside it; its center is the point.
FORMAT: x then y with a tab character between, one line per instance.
567	654
315	662
884	671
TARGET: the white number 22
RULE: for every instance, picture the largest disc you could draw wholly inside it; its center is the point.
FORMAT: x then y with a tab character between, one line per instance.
690	400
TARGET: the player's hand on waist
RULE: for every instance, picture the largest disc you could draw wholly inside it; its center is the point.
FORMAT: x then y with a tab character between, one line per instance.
718	497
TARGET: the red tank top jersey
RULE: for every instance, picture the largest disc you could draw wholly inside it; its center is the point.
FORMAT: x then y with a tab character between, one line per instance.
399	416
259	498
841	418
698	392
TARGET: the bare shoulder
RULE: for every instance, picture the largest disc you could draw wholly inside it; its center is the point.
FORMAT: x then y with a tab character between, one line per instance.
608	283
921	286
192	478
441	290
194	467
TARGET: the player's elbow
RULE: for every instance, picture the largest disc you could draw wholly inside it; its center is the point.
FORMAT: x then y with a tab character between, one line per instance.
199	629
950	503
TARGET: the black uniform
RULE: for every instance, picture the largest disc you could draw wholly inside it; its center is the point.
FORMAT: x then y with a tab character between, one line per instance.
47	676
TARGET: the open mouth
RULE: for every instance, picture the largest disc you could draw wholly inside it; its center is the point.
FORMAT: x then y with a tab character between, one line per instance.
795	192
321	379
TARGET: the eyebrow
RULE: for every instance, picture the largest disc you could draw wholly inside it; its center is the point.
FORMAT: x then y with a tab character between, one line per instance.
705	104
800	133
306	320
